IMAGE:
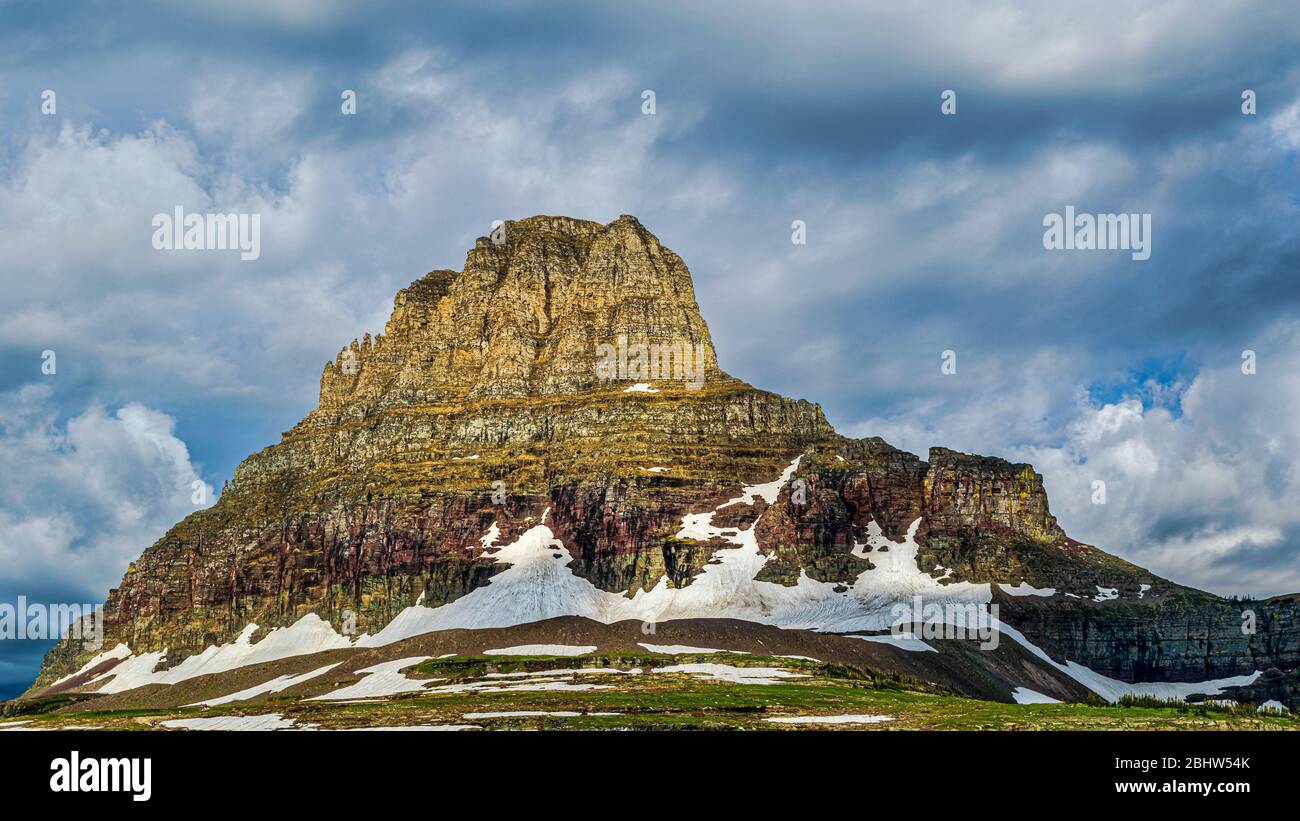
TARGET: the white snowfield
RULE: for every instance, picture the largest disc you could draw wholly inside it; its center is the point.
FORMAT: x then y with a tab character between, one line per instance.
121	651
904	641
275	685
537	584
1025	589
270	721
641	387
684	649
542	650
310	634
735	675
1023	695
385	679
560	684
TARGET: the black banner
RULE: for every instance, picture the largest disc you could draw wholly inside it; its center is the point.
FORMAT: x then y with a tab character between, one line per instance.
299	770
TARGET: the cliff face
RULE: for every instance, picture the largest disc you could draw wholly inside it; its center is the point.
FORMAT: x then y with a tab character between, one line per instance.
566	372
523	320
1186	636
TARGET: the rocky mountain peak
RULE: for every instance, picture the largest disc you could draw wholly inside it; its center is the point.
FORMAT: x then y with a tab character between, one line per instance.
564	379
528	316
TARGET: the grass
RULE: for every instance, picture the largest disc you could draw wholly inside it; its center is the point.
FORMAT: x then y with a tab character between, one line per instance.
655	700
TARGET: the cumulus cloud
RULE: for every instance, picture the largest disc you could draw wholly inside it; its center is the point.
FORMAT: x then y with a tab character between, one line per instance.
1205	496
1200	478
86	282
81	498
246	110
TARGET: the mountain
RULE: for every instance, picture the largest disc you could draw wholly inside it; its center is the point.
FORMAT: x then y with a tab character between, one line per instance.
543	447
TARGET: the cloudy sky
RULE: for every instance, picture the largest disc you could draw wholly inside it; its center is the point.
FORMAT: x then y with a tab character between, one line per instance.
924	235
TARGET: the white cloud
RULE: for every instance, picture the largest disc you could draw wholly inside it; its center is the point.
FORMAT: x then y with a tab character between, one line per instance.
990	403
80	499
1115	46
1205	497
84	280
247	109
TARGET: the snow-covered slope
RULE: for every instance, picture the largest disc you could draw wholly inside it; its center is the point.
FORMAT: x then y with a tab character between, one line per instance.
538	585
310	634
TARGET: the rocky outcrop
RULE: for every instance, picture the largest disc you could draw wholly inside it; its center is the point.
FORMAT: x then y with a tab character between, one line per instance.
1272	688
565	372
965	493
1182	636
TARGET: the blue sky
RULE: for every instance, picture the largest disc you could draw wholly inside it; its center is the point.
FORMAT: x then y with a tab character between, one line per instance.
924	235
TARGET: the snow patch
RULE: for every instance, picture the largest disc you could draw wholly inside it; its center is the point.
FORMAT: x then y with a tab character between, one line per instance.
735	675
767	491
121	651
275	685
641	387
310	634
542	650
1026	589
384	679
1023	695
497	686
1113	690
270	721
903	641
682	649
